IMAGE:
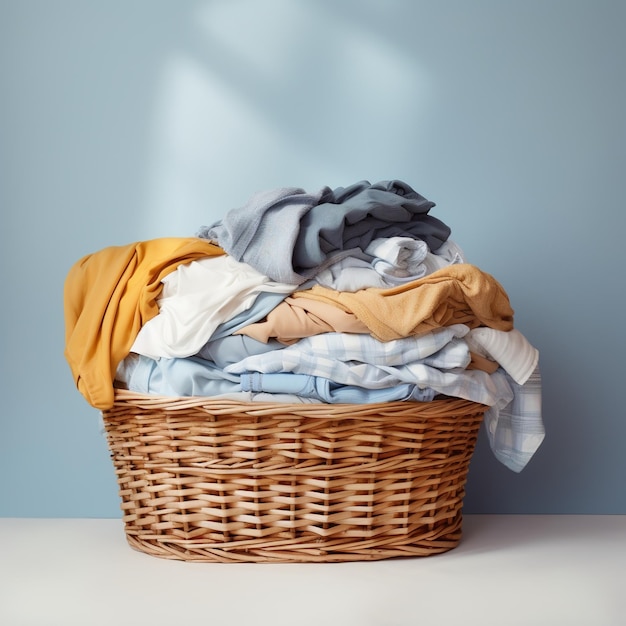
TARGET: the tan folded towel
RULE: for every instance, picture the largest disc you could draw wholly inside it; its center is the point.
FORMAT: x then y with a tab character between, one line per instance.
457	294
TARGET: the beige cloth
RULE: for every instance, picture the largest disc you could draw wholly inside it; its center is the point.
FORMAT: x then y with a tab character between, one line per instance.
479	362
457	294
294	319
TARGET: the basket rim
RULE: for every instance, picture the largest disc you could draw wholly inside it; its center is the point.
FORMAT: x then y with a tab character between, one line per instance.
442	405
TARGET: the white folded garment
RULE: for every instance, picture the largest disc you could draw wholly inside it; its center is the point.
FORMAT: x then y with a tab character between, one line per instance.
197	298
403	259
511	350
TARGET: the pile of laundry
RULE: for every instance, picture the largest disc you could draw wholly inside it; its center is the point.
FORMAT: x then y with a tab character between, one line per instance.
347	295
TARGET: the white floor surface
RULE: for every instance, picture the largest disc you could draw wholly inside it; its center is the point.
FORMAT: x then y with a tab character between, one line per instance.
507	571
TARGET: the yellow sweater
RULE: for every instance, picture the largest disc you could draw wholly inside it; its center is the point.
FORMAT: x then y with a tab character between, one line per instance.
108	296
456	294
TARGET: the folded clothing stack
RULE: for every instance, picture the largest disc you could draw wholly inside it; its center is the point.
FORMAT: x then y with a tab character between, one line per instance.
352	295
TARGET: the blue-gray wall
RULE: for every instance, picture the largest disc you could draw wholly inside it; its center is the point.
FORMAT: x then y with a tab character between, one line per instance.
123	121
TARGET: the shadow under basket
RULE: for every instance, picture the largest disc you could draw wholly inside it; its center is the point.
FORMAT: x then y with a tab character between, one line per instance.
224	481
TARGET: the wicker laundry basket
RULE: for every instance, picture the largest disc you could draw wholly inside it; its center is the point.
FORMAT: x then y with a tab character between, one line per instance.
210	480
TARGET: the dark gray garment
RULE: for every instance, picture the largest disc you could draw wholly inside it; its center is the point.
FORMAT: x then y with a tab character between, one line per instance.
354	216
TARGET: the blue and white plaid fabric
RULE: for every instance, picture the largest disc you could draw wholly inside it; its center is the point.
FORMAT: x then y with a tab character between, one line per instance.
515	428
435	361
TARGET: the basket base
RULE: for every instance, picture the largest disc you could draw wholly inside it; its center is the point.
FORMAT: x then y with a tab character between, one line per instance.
439	540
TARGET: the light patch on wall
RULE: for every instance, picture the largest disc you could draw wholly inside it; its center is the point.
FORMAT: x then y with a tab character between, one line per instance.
333	59
198	126
264	35
281	93
385	83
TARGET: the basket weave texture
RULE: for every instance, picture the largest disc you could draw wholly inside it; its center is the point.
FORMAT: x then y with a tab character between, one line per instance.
210	480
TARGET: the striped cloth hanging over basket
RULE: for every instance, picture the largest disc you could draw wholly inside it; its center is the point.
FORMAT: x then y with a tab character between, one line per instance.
223	481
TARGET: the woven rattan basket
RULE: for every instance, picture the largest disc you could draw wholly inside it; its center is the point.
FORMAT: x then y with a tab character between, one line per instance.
209	480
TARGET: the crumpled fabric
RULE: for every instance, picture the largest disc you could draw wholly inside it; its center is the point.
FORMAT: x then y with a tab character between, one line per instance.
290	235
